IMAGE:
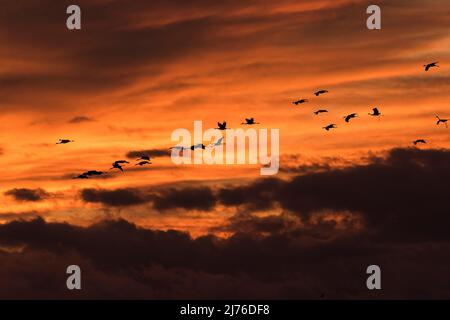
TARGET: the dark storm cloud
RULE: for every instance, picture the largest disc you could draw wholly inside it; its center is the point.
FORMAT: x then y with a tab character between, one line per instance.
10	216
29	195
307	168
117	254
114	198
402	195
189	198
256	196
249	224
149	152
318	228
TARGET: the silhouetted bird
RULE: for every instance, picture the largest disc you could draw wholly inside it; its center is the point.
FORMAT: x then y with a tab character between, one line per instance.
64	141
419	141
300	101
320	111
330	126
116	166
350	116
121	162
375	113
198	146
444	121
320	92
144	157
250	121
430	65
143	163
217	143
222	126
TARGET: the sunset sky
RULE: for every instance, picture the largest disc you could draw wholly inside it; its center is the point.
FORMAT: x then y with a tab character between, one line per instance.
137	70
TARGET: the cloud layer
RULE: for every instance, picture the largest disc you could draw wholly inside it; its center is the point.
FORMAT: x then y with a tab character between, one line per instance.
31	195
393	193
119	259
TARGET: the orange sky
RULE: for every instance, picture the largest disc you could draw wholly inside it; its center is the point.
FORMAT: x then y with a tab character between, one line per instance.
138	71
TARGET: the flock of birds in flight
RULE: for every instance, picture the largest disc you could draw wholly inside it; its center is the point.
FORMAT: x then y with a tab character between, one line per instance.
347	118
145	159
375	111
118	164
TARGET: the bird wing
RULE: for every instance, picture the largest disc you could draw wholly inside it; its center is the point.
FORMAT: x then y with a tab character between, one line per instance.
428	66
